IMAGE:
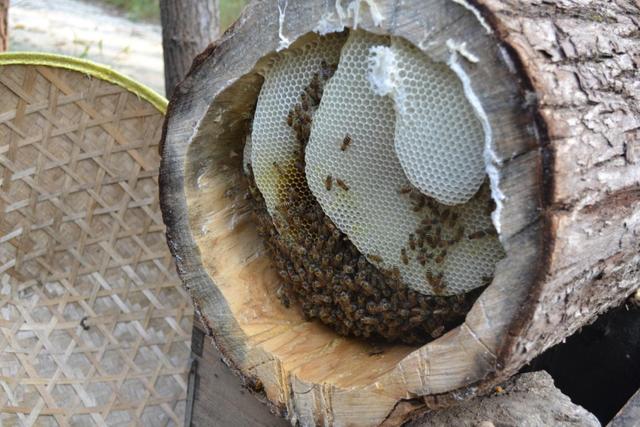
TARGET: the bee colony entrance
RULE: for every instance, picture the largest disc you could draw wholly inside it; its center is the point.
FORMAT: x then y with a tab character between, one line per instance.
366	169
341	240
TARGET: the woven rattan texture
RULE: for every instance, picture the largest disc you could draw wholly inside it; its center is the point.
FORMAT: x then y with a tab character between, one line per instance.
94	325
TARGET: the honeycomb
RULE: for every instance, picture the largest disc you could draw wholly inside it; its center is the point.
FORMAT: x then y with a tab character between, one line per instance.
273	147
438	249
438	138
325	274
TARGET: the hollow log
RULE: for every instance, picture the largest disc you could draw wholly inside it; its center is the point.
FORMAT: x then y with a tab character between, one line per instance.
555	84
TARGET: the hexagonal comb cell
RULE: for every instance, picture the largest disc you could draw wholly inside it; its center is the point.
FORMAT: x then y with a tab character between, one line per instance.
385	217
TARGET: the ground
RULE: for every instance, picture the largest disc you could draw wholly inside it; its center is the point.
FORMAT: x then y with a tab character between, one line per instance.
90	31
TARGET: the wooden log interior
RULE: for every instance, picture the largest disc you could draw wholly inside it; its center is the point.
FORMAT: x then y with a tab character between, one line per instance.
568	219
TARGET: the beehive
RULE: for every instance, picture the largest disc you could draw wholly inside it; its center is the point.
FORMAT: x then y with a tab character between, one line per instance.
499	167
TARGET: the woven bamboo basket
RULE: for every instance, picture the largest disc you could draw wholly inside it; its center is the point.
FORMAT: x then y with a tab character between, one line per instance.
94	325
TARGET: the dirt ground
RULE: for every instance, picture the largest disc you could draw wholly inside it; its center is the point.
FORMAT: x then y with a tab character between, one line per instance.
89	30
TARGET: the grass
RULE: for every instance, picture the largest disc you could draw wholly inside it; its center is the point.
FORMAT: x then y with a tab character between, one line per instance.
149	10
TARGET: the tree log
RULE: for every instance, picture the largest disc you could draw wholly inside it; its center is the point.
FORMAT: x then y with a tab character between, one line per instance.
529	399
187	28
4	25
556	82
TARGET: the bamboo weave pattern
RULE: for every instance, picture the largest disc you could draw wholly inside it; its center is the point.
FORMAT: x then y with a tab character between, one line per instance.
94	324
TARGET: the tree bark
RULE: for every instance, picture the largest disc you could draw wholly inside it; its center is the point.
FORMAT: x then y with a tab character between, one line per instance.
4	25
188	26
557	82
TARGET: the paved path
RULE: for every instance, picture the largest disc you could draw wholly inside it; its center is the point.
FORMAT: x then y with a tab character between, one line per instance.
101	34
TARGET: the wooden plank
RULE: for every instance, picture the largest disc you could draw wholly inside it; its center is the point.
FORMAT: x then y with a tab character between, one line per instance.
219	398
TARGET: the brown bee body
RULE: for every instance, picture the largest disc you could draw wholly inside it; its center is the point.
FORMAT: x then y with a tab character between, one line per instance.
328	182
477	235
403	256
340	183
346	142
375	258
412	242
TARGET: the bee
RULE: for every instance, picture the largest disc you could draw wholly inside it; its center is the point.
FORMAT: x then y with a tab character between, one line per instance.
345	142
375	258
368	320
445	215
435	282
340	183
304	103
437	332
290	118
328	182
477	235
405	189
326	70
422	259
367	288
415	320
439	259
412	242
403	256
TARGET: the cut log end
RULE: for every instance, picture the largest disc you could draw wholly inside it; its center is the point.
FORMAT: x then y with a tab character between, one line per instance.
307	371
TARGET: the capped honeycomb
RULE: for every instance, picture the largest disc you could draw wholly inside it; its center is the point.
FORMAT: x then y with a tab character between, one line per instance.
356	176
273	141
438	138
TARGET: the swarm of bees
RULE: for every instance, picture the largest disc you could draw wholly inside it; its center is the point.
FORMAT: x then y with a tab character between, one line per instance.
326	275
439	231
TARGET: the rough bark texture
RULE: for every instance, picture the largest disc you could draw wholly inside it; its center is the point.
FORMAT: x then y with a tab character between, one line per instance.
558	80
629	415
4	25
581	58
188	26
526	400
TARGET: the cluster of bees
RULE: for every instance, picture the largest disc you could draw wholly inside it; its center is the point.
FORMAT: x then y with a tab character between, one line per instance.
325	274
439	230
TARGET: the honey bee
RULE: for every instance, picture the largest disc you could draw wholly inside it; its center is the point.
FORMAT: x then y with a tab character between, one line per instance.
290	118
412	241
435	281
345	142
368	320
405	189
304	103
340	183
328	182
375	258
437	332
477	235
403	256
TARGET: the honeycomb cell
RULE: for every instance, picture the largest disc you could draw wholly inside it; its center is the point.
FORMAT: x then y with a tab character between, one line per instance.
273	142
438	249
438	138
